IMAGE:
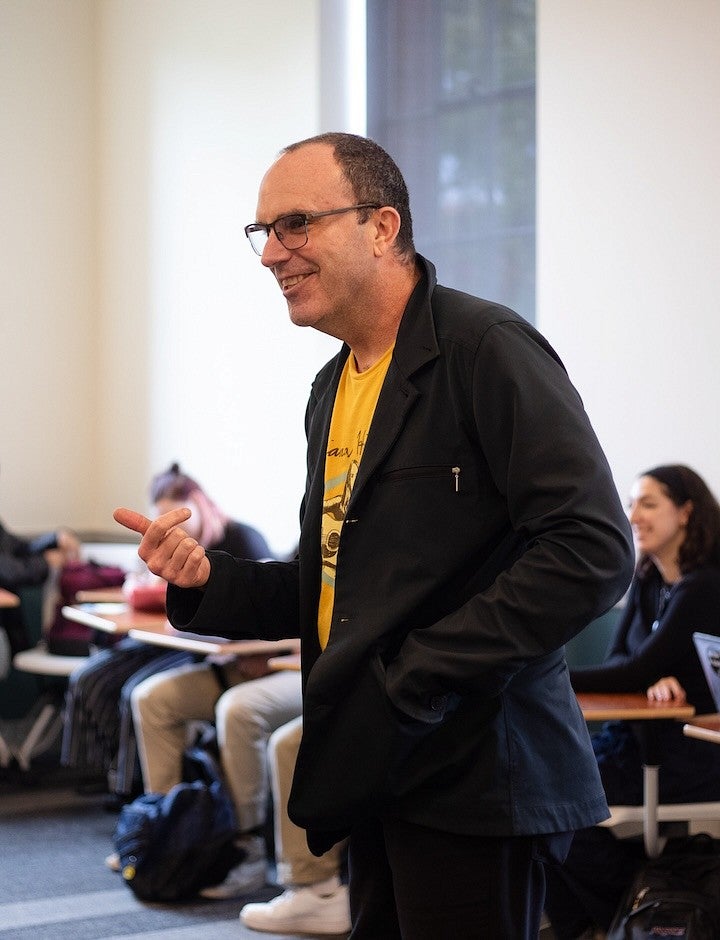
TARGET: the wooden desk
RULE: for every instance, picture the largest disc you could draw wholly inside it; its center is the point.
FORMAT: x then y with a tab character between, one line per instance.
290	661
704	727
110	595
600	706
114	617
8	599
628	706
197	643
153	627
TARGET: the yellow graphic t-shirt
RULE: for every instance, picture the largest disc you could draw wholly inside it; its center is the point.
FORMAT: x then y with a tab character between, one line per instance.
355	402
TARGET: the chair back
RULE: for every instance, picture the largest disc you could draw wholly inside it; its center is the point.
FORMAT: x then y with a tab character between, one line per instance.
19	690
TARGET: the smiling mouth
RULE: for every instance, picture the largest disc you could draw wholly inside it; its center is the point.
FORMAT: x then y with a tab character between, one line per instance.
287	282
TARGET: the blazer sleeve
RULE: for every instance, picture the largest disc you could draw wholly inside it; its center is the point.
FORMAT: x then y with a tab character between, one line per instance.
242	600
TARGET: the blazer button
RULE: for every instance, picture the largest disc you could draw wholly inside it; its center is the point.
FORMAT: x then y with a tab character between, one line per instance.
438	703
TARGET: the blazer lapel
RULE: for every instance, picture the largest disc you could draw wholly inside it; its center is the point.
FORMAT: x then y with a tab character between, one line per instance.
416	345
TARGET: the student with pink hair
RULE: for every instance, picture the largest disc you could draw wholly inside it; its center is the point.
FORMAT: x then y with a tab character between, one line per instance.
98	737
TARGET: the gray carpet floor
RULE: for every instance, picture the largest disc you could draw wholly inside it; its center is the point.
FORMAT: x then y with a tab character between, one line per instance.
54	883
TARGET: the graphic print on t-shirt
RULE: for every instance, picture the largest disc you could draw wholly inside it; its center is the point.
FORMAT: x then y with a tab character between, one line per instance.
334	511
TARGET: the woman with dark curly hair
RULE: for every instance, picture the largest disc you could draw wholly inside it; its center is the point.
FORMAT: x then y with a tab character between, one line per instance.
676	591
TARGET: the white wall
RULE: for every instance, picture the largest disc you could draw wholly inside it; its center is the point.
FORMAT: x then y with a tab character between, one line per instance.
629	221
136	327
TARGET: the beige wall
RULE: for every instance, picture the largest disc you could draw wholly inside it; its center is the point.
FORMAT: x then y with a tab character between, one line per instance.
194	107
143	328
48	263
136	327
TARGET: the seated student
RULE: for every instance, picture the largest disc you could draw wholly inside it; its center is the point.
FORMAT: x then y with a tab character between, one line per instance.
314	900
98	734
29	563
247	702
676	590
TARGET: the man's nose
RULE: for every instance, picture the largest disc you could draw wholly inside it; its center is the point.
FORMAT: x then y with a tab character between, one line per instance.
273	251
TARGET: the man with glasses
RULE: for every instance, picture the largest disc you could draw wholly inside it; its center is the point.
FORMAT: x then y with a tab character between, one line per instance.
459	525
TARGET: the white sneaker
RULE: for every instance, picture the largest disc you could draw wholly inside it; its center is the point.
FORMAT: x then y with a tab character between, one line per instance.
322	908
250	875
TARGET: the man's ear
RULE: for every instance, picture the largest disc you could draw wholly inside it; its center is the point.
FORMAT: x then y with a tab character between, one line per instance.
387	226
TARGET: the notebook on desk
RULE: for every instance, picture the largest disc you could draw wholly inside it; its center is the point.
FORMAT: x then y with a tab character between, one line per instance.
708	649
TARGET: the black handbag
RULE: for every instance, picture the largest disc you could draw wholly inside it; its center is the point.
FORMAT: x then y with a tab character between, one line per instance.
674	895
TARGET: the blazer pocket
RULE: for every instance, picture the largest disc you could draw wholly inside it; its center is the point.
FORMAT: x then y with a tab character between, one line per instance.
345	758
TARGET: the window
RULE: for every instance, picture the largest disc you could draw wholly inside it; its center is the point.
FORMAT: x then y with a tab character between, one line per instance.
451	95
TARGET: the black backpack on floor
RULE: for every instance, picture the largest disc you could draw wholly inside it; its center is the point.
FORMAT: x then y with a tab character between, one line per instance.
173	845
674	895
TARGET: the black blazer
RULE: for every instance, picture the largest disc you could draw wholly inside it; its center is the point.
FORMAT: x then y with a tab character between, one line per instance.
484	530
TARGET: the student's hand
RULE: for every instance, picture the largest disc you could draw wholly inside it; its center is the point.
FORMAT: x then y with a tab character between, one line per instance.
69	544
54	558
67	549
167	549
667	689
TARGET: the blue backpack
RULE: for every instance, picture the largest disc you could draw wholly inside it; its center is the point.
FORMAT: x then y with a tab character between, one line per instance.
173	845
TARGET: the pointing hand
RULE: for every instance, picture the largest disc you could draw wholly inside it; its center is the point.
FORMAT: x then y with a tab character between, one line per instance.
167	549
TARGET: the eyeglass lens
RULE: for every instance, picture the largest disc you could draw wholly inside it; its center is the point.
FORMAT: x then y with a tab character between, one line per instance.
291	230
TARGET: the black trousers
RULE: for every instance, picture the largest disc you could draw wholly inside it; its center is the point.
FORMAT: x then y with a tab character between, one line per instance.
408	882
587	889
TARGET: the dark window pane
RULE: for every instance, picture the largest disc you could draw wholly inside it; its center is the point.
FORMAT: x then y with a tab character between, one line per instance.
451	95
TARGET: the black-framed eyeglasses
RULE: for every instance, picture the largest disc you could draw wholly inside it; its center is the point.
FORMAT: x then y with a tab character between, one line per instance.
291	230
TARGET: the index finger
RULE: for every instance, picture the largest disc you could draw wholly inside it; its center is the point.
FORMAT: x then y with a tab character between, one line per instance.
132	520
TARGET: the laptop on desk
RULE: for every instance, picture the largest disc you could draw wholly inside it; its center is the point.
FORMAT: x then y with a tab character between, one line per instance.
708	649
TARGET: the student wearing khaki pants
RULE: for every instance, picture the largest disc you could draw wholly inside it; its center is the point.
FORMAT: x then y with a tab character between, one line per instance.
314	900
